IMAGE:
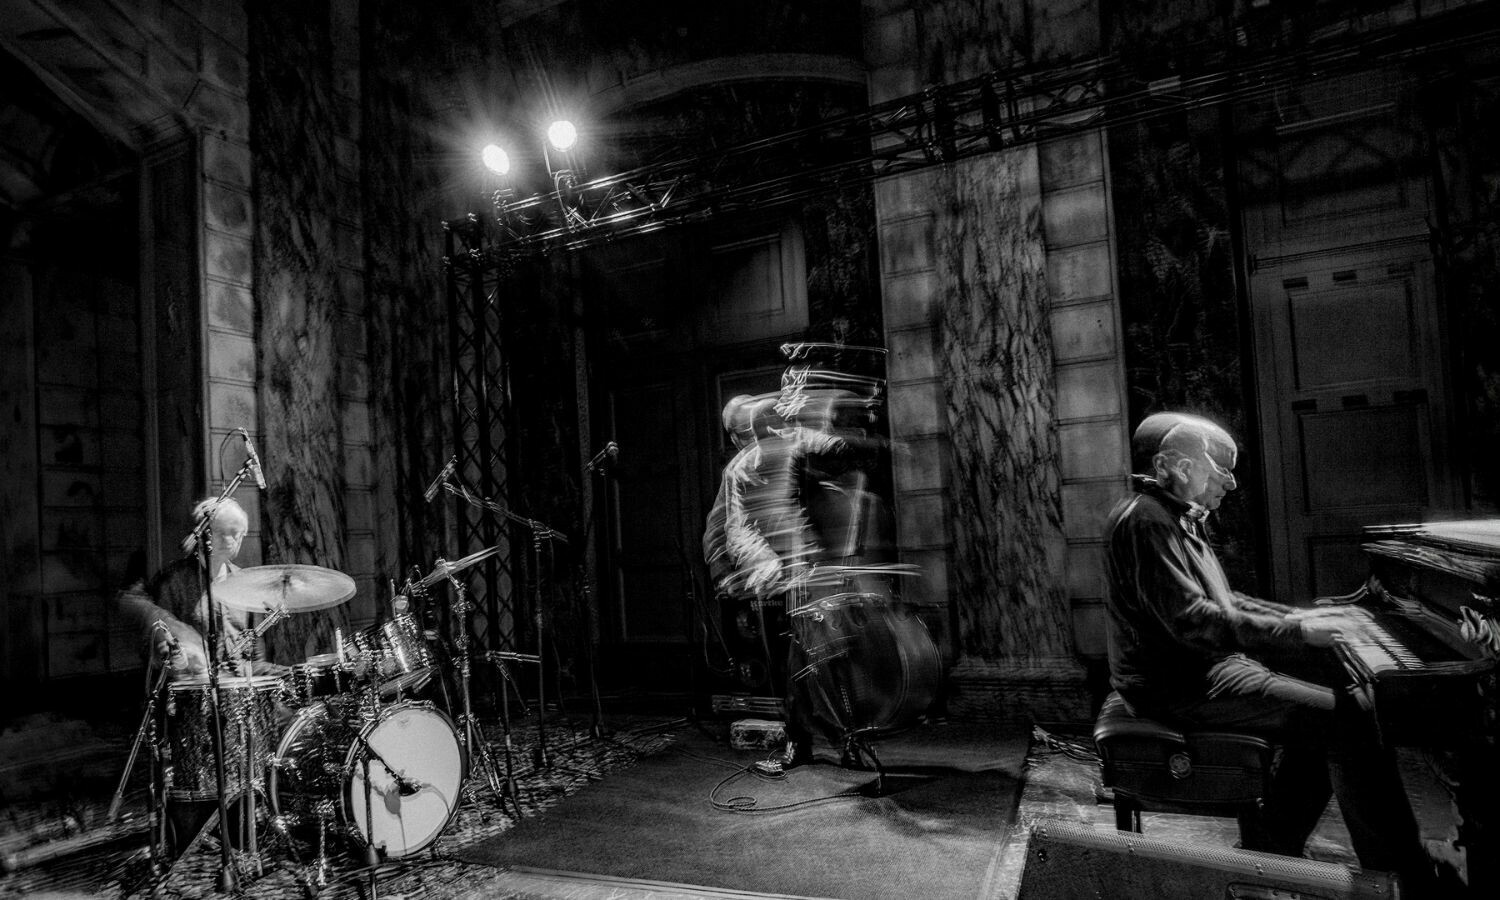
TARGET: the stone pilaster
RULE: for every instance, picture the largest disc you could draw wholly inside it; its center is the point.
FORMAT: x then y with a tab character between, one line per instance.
220	109
1088	352
364	507
998	391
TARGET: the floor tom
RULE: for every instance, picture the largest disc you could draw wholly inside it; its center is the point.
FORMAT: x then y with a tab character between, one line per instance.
249	711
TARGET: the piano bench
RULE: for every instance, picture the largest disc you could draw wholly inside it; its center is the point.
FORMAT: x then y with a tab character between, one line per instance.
1153	766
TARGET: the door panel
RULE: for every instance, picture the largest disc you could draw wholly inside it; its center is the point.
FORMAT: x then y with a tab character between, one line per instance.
650	592
1348	354
1353	410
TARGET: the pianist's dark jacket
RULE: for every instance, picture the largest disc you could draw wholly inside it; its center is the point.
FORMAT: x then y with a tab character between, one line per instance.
1172	614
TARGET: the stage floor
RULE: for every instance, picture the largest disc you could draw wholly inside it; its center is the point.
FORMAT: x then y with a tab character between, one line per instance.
661	808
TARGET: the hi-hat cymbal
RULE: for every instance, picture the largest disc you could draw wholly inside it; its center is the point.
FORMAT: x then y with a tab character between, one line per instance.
445	567
295	588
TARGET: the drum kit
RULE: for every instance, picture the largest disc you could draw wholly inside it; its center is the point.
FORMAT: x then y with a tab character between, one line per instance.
340	748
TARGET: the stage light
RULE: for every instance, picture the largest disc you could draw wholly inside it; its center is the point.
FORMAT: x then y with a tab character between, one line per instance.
562	135
496	160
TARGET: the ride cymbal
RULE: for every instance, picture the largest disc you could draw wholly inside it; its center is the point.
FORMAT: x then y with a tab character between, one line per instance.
295	588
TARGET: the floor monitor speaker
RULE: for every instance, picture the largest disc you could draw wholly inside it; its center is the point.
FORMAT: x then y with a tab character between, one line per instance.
1069	860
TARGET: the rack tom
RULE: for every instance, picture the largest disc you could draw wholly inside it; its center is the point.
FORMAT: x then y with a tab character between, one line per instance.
395	653
321	675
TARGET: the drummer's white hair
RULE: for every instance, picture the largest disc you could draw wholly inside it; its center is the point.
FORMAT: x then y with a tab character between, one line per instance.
207	507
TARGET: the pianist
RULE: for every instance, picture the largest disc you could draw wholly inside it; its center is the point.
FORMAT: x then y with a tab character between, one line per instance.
1185	648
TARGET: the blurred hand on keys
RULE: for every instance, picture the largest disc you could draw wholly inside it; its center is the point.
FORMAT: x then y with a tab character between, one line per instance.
1322	628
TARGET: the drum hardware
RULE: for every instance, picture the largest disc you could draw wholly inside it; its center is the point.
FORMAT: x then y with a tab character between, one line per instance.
540	533
476	748
372	852
203	544
499	659
246	642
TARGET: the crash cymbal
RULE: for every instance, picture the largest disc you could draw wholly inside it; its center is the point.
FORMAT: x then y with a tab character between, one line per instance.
296	588
445	567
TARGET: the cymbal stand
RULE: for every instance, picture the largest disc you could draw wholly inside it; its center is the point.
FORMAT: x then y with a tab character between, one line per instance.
476	748
539	533
156	790
499	659
145	732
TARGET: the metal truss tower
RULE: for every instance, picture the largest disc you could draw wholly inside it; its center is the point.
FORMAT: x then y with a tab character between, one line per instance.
482	429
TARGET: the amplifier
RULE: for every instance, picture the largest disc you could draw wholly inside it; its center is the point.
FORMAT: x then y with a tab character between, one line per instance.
737	704
1067	860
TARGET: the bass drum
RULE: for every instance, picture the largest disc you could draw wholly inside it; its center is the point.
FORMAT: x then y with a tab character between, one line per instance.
415	767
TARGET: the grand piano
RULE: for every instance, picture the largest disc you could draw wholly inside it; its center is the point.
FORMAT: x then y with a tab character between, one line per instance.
1427	664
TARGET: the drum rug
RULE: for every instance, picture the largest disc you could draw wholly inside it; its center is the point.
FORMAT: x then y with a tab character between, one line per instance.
695	814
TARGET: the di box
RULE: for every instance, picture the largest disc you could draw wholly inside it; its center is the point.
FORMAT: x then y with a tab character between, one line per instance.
756	734
1069	860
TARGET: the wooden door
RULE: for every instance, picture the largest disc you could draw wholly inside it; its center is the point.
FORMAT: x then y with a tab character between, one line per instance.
685	317
1353	409
1348	357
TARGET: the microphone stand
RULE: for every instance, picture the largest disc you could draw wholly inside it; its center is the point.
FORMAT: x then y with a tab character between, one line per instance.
473	736
539	532
499	659
202	534
596	466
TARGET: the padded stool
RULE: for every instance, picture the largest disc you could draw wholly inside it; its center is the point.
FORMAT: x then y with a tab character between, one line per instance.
1152	766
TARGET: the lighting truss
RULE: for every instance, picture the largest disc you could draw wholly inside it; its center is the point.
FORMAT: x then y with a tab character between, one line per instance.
482	428
936	126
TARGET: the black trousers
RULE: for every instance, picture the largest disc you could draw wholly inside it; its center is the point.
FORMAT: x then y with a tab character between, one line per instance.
1327	746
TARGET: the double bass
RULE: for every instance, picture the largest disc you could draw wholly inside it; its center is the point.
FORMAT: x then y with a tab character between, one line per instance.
862	662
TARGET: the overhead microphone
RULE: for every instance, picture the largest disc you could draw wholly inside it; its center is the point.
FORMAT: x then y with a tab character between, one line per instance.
442	476
604	458
255	469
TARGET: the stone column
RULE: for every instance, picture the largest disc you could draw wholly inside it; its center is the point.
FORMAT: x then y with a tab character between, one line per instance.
364	507
221	109
1088	350
1006	397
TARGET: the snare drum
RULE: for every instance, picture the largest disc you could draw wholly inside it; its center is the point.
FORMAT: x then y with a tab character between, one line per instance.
319	676
249	711
415	773
395	653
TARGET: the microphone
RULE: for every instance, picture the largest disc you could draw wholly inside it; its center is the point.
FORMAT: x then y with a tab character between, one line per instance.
255	469
604	458
442	476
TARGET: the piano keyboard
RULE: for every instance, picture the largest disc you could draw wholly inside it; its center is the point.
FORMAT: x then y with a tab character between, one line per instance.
1388	643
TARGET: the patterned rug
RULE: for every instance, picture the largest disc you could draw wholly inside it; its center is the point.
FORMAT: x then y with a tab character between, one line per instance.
62	847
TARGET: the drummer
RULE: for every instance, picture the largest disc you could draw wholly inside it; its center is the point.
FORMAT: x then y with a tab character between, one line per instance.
171	609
